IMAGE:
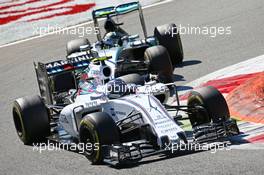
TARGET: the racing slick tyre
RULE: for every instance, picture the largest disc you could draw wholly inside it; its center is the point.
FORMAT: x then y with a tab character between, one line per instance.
31	119
97	129
168	36
74	45
159	63
133	79
210	105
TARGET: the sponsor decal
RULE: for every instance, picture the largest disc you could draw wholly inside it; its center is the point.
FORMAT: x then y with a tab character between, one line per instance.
91	104
70	61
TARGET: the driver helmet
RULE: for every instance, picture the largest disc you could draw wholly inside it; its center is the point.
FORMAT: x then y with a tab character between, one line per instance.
92	78
111	38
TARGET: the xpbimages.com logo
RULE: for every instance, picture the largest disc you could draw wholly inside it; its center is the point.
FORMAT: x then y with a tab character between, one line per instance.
212	147
81	31
51	146
211	31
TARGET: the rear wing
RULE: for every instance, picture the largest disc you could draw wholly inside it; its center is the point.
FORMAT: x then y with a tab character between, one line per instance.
119	10
46	72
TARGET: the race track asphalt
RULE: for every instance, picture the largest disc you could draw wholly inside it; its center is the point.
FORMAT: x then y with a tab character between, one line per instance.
203	55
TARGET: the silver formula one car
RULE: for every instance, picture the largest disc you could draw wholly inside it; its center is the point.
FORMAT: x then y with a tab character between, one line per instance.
128	51
123	120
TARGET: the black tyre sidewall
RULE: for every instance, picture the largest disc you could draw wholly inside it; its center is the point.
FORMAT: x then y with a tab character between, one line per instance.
196	99
173	43
22	136
34	119
213	101
88	126
103	130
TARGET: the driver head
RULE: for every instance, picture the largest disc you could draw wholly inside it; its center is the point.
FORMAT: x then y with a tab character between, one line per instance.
97	73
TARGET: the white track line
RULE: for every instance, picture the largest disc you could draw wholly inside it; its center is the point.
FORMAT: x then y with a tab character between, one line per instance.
71	27
248	146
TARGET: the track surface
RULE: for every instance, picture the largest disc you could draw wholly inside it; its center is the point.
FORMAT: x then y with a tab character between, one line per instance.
202	56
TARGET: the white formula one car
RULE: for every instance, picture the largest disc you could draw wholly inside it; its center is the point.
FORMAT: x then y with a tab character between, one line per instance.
124	120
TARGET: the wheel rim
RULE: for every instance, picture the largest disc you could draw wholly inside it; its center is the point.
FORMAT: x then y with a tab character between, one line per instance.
87	138
200	117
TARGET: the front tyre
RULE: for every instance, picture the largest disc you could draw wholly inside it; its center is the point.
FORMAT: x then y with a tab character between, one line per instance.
97	129
31	119
210	106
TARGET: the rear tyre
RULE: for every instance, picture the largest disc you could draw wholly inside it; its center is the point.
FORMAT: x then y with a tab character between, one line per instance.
159	63
133	79
210	105
172	42
97	129
73	46
31	119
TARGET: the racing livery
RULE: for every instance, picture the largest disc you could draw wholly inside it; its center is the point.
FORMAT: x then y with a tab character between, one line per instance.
124	119
129	52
